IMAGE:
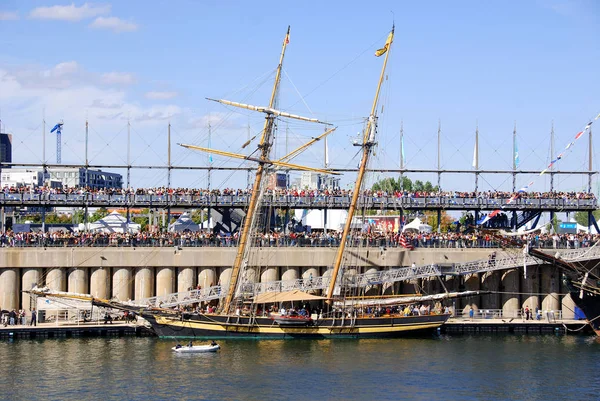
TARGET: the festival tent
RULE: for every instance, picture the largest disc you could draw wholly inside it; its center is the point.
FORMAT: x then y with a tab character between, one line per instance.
417	226
184	223
316	219
114	223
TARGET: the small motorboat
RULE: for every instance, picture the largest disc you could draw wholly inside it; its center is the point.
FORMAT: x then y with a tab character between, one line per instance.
189	349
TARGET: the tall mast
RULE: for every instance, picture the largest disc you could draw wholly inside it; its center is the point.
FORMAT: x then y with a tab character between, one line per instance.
265	148
552	157
367	145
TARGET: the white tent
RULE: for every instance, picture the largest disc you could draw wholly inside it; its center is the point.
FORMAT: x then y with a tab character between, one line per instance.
184	223
584	229
114	223
316	219
417	226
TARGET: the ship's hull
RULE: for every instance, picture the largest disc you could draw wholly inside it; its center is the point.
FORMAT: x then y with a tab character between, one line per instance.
218	326
590	306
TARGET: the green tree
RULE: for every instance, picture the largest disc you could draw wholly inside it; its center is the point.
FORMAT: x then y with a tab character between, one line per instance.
198	216
405	183
582	217
142	221
99	214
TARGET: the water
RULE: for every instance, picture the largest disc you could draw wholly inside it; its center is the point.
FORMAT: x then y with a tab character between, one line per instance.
444	368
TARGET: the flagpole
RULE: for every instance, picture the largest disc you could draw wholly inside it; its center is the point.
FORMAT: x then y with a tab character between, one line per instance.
514	180
552	157
401	155
476	157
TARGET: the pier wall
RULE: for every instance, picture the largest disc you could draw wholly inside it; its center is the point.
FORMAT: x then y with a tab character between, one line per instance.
137	273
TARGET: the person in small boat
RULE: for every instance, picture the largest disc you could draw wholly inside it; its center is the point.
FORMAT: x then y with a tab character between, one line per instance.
190	344
177	346
213	343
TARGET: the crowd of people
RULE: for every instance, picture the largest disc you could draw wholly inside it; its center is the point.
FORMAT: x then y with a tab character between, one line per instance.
295	192
474	239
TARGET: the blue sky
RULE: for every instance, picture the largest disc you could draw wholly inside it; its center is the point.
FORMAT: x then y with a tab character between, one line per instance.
464	63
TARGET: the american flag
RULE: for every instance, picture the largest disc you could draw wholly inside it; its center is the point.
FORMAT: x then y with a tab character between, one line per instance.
405	243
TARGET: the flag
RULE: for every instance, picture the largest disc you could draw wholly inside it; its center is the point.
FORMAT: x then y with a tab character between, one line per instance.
475	156
57	127
287	39
210	159
489	217
516	155
388	42
405	243
579	134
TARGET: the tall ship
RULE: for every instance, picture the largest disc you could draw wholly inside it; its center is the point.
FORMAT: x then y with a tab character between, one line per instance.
341	310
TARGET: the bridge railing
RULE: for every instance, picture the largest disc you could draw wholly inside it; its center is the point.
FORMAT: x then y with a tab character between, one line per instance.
320	201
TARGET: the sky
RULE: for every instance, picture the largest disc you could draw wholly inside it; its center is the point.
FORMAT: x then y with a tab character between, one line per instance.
460	66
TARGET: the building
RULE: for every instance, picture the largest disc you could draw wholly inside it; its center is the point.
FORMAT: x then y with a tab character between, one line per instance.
312	180
61	176
277	181
76	177
5	149
309	180
22	177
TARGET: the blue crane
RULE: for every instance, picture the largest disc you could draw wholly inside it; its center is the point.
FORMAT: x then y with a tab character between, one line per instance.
58	129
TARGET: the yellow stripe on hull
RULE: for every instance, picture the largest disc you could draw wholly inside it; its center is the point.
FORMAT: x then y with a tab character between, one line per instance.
278	330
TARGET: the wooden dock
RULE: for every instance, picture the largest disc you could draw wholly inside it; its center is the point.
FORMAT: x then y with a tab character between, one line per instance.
53	330
516	325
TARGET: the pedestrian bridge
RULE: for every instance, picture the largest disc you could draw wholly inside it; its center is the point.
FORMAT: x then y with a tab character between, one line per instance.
293	202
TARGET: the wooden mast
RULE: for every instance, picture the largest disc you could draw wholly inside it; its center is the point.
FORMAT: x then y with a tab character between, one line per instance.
368	142
265	147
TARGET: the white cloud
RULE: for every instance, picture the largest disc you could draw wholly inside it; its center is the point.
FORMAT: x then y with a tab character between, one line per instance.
70	13
223	120
118	78
114	24
160	95
8	15
64	69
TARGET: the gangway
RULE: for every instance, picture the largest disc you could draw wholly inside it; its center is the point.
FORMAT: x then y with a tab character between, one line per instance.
504	260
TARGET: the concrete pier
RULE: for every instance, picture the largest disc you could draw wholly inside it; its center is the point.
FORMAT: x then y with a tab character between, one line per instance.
207	277
530	288
129	273
144	283
100	282
550	287
78	280
122	283
165	281
510	291
31	277
186	278
9	289
56	279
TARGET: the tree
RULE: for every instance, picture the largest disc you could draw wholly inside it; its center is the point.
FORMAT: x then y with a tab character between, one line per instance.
432	220
99	214
582	217
142	221
403	183
198	216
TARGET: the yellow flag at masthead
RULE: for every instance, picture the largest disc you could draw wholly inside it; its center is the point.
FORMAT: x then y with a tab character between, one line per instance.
388	42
